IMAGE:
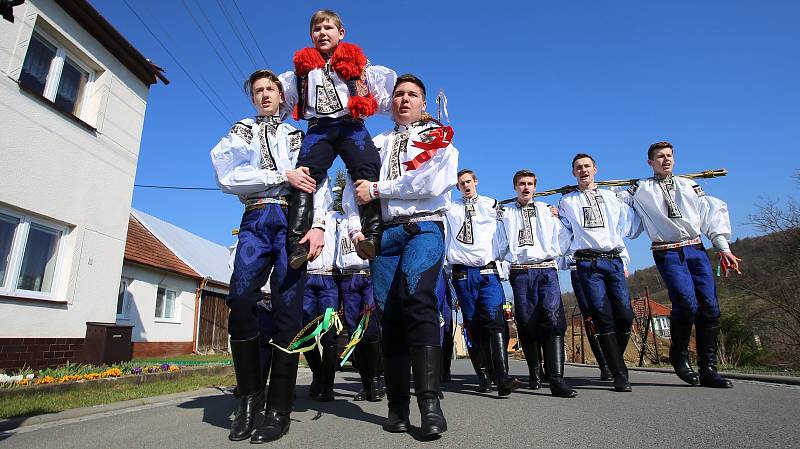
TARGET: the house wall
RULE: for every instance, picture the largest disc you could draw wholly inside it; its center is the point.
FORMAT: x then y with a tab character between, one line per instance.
77	175
173	335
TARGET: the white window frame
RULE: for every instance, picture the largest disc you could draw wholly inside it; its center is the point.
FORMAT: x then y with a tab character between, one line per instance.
176	318
20	240
57	66
126	300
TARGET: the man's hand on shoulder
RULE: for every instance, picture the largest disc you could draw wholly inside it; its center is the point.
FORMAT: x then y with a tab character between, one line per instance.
364	191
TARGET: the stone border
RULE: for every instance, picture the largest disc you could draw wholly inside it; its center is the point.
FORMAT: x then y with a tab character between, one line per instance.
783	380
129	379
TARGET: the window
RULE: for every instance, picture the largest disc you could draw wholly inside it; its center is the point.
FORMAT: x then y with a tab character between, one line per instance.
30	253
52	72
166	304
123	299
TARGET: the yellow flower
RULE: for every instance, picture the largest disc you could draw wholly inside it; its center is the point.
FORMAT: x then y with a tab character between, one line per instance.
173	368
24	382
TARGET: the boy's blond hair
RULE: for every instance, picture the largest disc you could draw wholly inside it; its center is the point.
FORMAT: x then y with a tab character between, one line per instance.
323	14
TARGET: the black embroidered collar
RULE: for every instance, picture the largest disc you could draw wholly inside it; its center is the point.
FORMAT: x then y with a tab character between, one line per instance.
472	200
274	120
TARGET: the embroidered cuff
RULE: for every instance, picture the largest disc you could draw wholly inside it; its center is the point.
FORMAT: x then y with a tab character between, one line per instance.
721	243
373	191
319	223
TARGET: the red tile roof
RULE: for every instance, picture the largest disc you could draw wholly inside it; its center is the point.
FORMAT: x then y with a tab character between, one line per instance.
144	248
657	309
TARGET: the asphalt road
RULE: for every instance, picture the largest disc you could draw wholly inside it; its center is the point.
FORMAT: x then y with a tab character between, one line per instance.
660	412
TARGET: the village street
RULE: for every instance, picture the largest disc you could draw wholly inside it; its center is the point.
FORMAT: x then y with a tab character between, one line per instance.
660	412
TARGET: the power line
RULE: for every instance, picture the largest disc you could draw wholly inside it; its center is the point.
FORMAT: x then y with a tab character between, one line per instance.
174	187
242	75
210	43
227	120
252	36
236	33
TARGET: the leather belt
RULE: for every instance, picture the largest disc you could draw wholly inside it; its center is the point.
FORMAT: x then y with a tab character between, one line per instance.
260	203
660	246
529	266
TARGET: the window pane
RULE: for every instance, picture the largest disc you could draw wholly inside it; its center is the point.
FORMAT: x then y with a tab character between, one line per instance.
169	311
123	287
7	227
39	260
70	88
160	303
37	64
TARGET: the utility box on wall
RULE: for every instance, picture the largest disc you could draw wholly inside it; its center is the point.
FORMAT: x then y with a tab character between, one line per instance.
107	343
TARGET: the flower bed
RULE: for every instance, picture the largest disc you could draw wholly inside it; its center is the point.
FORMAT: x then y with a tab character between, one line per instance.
76	372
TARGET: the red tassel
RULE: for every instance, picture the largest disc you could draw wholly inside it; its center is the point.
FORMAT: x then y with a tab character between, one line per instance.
296	112
362	106
306	60
348	61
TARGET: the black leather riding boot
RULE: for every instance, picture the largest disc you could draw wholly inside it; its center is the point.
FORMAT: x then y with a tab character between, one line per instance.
610	346
280	398
314	361
426	362
605	373
498	354
707	357
680	333
554	367
301	208
330	356
477	356
397	374
447	356
247	364
370	228
530	348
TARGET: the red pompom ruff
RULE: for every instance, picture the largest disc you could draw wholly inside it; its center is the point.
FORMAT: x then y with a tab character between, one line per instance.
306	60
362	106
348	60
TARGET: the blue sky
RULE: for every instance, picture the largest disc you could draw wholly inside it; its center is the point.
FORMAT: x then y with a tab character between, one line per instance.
529	84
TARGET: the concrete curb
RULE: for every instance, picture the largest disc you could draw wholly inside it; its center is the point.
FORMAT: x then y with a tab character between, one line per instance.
26	421
784	380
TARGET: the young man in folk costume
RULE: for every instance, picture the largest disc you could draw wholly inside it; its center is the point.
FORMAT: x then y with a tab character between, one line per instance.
675	211
335	88
355	288
256	161
598	221
567	262
531	234
418	170
474	246
321	293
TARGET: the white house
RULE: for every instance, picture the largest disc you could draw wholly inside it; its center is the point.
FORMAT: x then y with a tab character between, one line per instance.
172	289
72	102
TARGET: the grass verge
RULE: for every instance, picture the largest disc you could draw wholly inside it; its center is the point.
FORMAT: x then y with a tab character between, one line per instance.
38	403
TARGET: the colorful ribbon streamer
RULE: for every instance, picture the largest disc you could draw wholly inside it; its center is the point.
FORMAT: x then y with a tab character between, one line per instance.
358	334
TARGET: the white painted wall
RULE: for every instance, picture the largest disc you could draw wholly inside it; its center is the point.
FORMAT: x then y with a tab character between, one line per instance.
142	296
53	168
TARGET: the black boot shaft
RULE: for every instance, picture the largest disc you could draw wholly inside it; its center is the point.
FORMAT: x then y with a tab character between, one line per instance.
554	367
680	333
530	348
370	227
301	207
249	384
499	356
426	362
280	398
398	378
330	357
616	364
707	358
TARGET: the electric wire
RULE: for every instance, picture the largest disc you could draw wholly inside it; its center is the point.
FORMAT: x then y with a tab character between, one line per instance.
150	186
242	75
236	33
249	30
210	43
186	72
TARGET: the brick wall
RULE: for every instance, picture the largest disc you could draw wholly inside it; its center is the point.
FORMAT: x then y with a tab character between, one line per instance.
38	353
161	349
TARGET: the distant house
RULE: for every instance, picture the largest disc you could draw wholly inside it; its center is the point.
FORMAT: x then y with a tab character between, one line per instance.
74	93
659	313
173	289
